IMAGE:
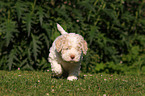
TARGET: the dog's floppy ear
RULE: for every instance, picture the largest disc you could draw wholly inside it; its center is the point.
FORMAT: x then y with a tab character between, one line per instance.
84	47
62	31
59	43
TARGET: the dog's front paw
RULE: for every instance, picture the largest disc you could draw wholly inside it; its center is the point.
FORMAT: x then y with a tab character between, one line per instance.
71	78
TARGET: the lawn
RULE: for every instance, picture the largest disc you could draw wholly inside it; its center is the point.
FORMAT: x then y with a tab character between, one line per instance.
38	83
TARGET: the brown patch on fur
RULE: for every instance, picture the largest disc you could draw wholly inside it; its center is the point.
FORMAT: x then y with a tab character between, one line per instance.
84	47
59	43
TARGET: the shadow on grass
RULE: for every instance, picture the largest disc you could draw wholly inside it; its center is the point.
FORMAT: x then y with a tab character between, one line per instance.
64	76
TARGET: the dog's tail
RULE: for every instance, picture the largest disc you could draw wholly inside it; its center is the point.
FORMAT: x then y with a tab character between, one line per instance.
62	31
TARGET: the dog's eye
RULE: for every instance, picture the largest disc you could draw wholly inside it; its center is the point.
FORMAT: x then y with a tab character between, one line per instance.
66	49
78	48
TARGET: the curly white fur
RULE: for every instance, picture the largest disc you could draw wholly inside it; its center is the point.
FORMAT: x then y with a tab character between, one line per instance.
66	54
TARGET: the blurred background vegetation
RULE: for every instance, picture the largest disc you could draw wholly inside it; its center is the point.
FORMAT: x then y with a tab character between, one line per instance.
114	30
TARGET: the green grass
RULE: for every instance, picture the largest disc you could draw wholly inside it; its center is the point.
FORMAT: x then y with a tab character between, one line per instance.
32	83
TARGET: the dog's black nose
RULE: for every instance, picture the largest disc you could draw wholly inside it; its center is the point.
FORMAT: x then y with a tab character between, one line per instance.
72	56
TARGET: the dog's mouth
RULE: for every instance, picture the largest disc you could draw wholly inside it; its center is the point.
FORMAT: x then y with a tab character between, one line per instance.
73	61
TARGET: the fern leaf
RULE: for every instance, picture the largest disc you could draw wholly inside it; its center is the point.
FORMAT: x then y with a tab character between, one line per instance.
44	38
41	15
35	46
23	62
78	14
20	8
11	58
87	5
92	33
28	23
28	67
62	12
9	27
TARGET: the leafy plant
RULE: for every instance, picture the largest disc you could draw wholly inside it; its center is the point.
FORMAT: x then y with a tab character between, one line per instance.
114	31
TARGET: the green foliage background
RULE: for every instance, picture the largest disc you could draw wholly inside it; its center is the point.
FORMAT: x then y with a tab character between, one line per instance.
114	30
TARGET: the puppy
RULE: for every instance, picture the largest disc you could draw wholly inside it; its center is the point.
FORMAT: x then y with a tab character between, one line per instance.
66	54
